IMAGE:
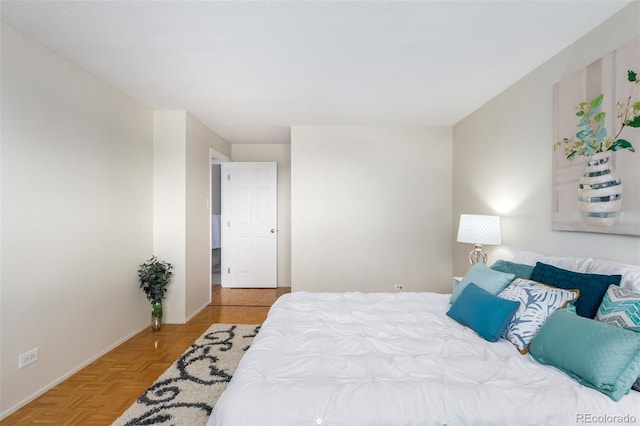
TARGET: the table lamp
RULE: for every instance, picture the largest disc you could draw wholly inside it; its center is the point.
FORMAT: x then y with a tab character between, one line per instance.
478	230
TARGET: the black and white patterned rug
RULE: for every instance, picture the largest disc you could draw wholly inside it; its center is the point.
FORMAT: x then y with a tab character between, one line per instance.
186	393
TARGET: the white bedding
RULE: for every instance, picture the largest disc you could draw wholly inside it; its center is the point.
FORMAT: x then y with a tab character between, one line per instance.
396	358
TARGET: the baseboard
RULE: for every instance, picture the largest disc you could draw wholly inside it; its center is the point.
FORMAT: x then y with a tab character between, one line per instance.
70	373
192	316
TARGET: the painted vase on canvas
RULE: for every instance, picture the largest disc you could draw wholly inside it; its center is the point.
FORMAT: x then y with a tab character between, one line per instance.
599	191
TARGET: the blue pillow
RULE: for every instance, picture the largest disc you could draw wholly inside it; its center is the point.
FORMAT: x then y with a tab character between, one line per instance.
484	277
592	286
598	355
486	314
520	270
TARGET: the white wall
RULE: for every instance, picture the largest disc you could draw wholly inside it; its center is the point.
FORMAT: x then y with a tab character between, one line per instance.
182	215
370	208
169	206
77	187
281	154
200	139
502	156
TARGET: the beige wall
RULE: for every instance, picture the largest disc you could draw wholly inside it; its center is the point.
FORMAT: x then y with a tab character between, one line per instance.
370	208
169	206
281	154
502	155
93	184
77	198
182	216
200	140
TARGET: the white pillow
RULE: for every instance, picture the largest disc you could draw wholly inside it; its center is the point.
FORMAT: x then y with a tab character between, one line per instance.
575	264
630	273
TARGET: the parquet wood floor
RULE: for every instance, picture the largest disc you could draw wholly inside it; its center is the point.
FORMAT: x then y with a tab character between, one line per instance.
99	393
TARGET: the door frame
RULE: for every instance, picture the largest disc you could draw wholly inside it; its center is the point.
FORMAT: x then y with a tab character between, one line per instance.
217	157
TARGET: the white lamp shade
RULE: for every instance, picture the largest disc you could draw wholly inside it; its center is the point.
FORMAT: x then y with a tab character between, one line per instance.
479	229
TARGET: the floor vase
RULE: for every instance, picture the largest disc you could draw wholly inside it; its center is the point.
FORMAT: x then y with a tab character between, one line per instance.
156	316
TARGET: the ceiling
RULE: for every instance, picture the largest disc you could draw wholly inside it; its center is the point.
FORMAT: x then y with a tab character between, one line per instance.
250	70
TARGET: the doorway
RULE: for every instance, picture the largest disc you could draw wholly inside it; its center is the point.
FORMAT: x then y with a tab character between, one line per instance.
216	243
216	159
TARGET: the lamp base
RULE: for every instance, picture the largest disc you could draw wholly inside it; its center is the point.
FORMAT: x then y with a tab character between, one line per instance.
477	255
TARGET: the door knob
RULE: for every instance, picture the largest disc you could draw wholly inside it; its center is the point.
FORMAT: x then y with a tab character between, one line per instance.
273	230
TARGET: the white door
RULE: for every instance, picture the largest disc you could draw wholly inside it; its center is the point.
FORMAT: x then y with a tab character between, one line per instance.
249	225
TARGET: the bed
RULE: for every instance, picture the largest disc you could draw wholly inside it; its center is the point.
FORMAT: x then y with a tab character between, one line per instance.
400	358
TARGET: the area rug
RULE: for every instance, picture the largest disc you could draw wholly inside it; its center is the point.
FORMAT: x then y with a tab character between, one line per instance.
187	391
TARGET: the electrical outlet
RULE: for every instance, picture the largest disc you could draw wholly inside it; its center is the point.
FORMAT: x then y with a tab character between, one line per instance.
398	287
28	357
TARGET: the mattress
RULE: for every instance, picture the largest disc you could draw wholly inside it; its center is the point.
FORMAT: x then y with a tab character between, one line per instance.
396	358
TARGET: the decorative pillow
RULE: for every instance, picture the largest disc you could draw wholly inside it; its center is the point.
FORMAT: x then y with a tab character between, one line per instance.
596	354
592	286
486	314
577	264
520	270
537	302
630	273
485	278
620	307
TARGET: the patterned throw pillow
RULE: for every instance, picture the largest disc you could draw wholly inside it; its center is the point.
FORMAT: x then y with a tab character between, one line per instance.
537	302
620	307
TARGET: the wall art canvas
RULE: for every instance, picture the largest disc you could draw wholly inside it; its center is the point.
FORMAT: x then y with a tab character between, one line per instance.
596	146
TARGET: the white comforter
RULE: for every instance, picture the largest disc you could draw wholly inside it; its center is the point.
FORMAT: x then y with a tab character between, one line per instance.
397	359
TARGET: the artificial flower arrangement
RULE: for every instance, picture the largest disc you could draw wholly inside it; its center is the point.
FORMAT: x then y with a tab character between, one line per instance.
154	276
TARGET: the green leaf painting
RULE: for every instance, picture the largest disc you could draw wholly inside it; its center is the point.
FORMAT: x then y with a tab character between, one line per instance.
592	136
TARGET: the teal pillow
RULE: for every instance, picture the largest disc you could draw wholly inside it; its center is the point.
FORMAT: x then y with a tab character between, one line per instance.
486	314
596	354
592	286
520	270
484	277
